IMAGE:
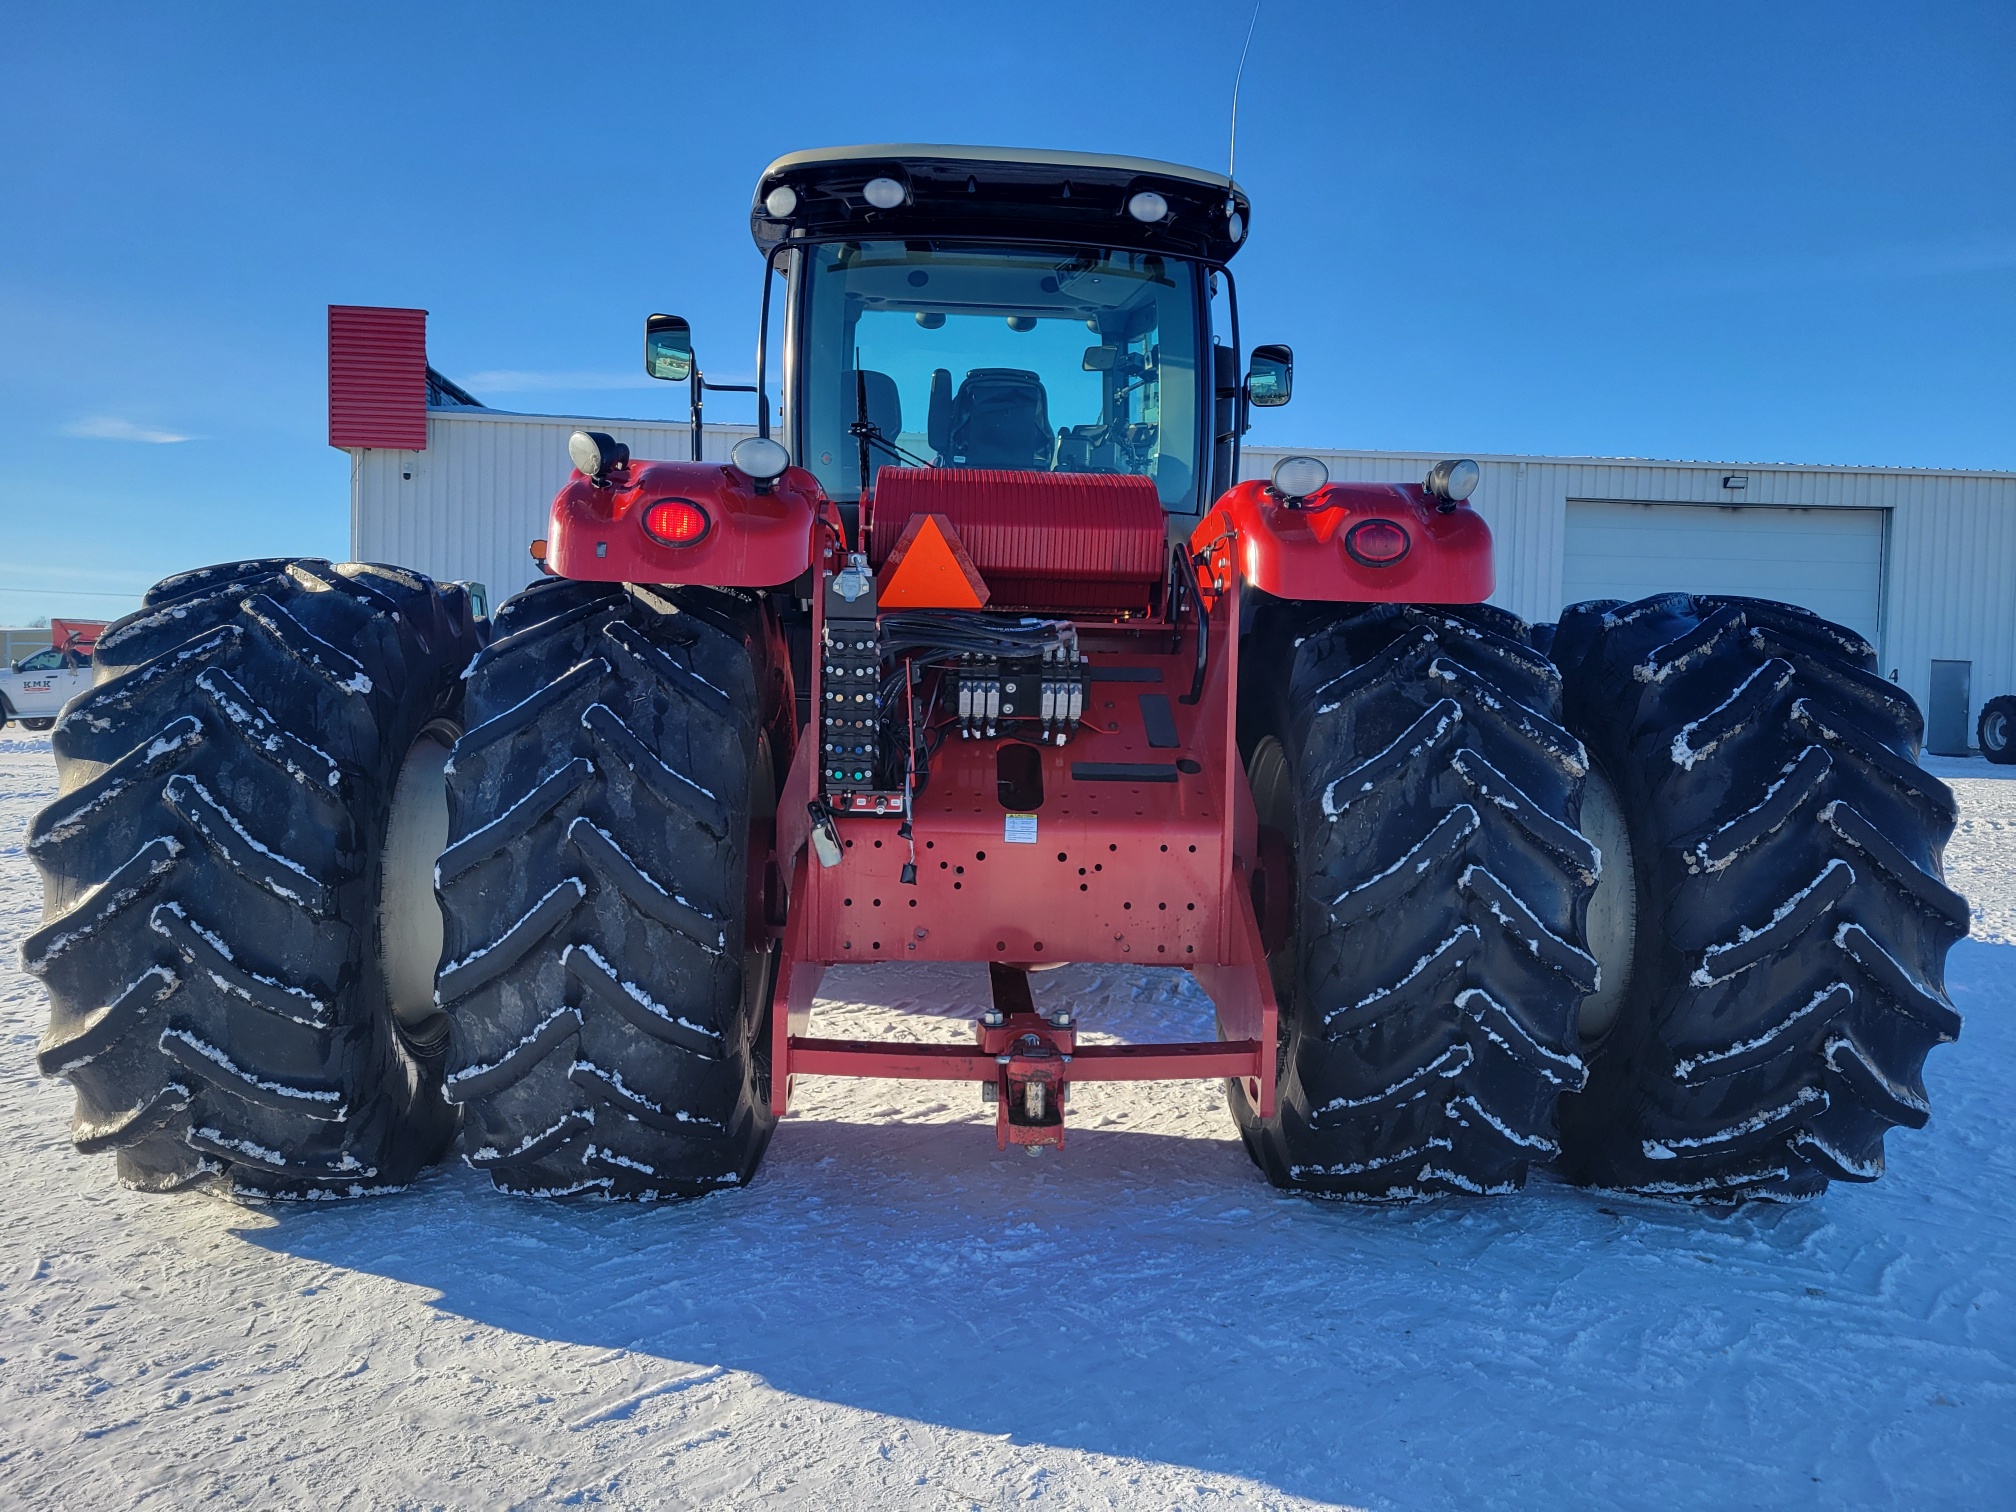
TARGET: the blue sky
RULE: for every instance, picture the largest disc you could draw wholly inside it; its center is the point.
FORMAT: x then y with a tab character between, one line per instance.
1726	231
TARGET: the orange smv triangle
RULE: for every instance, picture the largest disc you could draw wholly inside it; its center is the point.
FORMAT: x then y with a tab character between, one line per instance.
929	569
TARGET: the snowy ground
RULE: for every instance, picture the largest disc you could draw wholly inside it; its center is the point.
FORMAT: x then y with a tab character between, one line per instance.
894	1316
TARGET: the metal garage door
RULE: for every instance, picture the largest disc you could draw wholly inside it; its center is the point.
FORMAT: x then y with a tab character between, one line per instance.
1829	560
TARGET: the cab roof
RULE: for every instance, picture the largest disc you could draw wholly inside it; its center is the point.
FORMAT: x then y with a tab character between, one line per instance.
1013	193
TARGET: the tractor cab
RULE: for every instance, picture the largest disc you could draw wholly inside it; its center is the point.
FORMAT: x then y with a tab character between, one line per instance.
983	311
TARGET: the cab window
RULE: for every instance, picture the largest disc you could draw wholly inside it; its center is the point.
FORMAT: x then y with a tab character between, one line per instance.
1031	359
42	661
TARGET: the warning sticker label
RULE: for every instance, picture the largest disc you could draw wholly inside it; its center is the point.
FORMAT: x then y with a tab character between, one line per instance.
1019	829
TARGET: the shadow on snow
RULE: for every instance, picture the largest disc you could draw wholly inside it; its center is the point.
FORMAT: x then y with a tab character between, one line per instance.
1149	1296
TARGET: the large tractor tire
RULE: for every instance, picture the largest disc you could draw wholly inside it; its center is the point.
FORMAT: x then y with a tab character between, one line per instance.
1410	775
225	994
1995	731
610	1012
1766	1021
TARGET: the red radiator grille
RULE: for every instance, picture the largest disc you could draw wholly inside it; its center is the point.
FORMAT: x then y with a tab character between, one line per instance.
1031	526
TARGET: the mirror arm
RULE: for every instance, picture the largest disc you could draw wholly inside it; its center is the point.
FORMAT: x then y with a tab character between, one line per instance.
763	342
701	385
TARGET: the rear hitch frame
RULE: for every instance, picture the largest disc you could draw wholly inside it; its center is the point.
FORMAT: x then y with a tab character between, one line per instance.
1034	1056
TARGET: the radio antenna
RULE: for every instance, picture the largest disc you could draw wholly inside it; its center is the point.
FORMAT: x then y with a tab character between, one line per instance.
1232	140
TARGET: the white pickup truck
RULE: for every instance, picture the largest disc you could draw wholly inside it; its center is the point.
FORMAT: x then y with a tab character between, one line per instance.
36	687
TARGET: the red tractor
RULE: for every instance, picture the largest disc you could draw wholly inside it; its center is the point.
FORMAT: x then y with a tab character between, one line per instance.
986	655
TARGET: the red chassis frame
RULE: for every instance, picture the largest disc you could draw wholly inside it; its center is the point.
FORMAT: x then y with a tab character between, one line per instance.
1144	848
1151	870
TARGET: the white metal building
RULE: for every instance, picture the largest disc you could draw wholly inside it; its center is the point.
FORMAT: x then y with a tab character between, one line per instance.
1922	562
469	507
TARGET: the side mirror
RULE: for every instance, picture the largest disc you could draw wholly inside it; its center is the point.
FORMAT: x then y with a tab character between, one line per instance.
1271	379
1100	359
668	348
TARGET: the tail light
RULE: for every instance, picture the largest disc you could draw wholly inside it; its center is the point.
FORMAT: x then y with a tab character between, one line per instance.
1377	543
675	522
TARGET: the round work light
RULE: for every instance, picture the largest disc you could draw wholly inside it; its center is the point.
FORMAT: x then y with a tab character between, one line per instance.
883	193
1296	478
1148	207
780	202
1453	482
760	458
595	452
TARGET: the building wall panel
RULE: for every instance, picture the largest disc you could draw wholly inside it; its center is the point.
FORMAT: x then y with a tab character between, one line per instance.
468	507
1829	560
1948	570
479	493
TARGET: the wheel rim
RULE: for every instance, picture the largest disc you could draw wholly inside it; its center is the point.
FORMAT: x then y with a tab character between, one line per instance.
759	960
1269	780
409	914
1995	732
1613	907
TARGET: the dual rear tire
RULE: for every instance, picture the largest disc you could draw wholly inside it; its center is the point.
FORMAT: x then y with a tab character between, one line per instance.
606	982
214	874
257	807
1429	983
1667	911
1666	908
1792	918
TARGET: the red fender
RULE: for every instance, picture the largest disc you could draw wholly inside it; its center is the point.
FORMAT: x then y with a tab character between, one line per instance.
752	540
1305	551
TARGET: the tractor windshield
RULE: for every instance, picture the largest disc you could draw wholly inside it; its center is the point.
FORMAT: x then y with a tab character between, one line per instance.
1051	359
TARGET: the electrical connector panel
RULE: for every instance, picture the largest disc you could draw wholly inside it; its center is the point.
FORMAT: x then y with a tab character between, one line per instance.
894	686
850	677
986	693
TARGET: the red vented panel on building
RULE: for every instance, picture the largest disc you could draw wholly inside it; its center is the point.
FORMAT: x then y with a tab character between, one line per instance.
1030	527
377	377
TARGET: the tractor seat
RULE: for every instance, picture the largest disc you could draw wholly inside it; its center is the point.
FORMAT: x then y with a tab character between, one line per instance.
1000	418
885	408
